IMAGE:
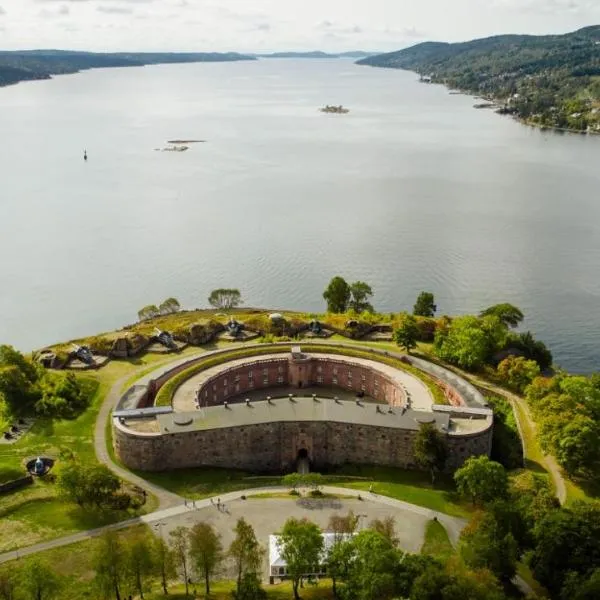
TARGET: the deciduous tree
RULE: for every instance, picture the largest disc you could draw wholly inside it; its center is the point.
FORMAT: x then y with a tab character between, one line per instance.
407	333
170	305
337	295
430	449
139	562
164	561
425	305
109	565
360	293
8	585
245	551
301	546
509	314
180	545
482	480
148	312
206	551
225	298
484	543
385	527
39	581
518	372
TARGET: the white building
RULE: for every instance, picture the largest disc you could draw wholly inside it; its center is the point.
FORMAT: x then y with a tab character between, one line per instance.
278	566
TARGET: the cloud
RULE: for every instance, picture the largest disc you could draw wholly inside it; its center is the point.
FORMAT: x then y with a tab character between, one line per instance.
263	27
61	11
2	11
115	10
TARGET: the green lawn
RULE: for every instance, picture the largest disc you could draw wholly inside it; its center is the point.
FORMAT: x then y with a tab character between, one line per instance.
74	565
437	543
414	487
198	483
35	513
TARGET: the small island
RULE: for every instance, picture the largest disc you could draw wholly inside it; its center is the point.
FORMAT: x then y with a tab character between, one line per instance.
338	110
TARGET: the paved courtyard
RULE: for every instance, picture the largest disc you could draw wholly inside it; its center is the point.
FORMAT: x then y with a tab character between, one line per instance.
267	516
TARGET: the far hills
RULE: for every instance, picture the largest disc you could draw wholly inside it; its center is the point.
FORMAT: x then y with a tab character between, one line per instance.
549	80
42	64
317	54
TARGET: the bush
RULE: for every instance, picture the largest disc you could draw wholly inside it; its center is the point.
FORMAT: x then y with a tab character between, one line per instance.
507	448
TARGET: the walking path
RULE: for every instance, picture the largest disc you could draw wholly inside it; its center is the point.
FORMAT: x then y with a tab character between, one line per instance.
453	525
549	462
165	498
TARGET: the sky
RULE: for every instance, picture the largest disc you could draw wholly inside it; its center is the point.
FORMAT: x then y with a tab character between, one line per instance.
268	25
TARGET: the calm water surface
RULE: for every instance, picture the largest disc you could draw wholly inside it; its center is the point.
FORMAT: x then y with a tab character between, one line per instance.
413	190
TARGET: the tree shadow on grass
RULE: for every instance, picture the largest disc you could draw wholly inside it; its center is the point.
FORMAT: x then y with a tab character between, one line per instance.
535	466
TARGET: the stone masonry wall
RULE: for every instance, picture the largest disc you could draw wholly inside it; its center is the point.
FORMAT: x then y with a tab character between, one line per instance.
274	447
281	372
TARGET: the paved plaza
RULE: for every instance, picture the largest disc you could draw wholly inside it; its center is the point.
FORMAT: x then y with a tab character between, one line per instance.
267	516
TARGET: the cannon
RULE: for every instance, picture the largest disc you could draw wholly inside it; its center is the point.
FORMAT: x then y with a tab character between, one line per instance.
315	327
84	354
165	338
234	328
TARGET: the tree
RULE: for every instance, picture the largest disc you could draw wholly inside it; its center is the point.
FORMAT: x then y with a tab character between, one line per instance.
470	341
372	570
206	551
148	312
292	480
430	449
39	581
301	546
109	565
180	545
342	525
385	527
164	560
249	588
170	305
407	334
139	561
425	305
509	314
567	544
360	293
87	485
340	558
337	295
225	298
245	552
531	348
481	479
484	543
8	585
518	372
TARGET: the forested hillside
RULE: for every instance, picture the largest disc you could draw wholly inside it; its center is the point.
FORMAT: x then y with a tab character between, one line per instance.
42	64
551	80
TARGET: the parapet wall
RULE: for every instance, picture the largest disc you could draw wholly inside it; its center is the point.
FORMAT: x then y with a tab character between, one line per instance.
274	447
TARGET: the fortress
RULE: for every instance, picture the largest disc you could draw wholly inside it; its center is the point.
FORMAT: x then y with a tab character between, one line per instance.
265	412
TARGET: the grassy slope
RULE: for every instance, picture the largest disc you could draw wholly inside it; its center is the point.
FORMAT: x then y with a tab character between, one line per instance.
36	513
437	543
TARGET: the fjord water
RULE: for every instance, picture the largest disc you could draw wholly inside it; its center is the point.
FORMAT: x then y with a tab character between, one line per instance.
412	190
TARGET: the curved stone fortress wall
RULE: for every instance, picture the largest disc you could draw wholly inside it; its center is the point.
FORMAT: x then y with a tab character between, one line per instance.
270	436
275	372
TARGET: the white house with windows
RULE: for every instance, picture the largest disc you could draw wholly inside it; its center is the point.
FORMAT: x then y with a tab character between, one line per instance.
278	566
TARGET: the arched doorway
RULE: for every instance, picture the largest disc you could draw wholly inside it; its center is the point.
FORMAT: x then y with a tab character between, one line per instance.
302	461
